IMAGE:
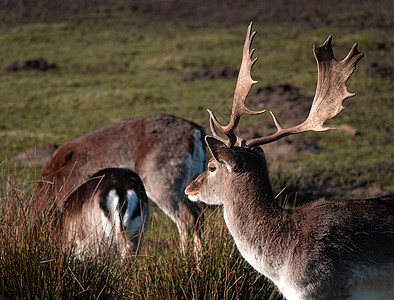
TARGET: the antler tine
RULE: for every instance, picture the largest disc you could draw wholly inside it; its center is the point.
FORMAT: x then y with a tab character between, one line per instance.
242	89
331	91
212	120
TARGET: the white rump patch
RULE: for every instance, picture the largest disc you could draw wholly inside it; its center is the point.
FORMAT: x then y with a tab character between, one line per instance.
112	201
113	219
131	225
111	222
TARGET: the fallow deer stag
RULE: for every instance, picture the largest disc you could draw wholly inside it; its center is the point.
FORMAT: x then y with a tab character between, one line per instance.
340	249
167	152
108	210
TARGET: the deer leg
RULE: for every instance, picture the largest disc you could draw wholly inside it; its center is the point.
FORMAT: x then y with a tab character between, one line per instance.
190	224
186	215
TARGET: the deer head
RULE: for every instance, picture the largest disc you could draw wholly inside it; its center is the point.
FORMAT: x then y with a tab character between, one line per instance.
237	170
323	249
236	155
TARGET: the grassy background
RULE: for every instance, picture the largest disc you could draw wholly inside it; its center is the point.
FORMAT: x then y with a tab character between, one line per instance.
115	62
119	60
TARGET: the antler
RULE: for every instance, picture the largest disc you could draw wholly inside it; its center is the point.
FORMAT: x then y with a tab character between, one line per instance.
244	84
331	91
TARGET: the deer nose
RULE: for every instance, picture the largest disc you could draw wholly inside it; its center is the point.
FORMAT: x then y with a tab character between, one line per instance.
191	192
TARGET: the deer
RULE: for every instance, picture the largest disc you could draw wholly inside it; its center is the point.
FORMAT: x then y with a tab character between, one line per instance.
325	249
108	210
167	152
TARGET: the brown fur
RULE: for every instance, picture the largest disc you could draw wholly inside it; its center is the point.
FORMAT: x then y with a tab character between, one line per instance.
322	250
156	146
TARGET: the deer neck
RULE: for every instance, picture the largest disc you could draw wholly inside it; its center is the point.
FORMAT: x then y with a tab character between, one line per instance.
253	218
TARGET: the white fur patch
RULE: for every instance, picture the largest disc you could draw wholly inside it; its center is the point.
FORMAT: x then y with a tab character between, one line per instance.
132	202
289	292
107	225
193	198
114	220
131	225
112	202
228	167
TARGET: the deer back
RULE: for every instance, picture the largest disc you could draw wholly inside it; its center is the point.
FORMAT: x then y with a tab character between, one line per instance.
155	146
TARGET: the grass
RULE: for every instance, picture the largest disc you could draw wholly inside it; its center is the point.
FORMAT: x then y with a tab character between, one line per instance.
104	77
35	267
116	63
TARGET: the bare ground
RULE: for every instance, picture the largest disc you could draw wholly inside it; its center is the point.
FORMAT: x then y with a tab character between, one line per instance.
217	12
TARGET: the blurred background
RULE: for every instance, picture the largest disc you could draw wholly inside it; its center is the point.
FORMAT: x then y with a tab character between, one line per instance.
67	67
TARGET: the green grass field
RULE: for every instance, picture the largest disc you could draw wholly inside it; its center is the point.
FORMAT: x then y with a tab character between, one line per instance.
116	62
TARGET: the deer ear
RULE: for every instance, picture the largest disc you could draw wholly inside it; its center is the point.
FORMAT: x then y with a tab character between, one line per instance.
222	153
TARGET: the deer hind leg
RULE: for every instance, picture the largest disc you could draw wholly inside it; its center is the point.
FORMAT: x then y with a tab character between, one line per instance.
194	167
166	185
186	215
134	219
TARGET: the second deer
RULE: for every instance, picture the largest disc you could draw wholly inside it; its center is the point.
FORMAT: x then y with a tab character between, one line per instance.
167	152
341	249
110	210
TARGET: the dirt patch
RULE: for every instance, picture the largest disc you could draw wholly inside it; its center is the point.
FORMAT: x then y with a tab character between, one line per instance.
335	13
282	148
291	106
321	187
386	72
211	73
289	103
363	13
38	64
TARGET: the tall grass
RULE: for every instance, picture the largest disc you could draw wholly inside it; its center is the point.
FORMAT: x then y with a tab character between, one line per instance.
34	266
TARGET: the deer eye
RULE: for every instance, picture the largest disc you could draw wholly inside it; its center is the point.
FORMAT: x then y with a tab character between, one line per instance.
211	168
